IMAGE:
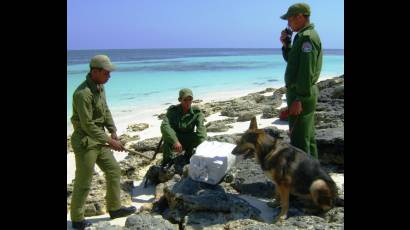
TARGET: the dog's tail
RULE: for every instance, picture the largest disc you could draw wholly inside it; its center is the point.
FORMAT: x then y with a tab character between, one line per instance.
323	193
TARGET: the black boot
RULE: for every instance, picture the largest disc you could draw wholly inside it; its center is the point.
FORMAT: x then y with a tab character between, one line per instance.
123	211
81	224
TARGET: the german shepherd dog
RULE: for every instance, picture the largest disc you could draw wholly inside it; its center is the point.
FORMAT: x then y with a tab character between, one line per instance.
290	169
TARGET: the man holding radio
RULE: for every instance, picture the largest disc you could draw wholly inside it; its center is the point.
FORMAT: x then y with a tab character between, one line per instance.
304	63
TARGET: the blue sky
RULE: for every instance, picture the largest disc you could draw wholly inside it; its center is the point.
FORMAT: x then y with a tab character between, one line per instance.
125	24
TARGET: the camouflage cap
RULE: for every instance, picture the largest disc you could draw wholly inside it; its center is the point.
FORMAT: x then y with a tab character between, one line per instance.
102	61
185	93
298	8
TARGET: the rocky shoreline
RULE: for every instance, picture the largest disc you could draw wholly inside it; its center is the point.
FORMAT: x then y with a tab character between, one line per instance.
187	204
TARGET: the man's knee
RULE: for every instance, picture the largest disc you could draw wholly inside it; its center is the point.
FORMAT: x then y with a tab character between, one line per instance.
84	173
82	184
113	172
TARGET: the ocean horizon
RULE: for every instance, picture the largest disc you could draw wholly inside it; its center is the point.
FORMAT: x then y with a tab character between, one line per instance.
147	78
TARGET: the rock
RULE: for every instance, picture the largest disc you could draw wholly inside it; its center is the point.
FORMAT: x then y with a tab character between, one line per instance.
197	101
273	101
331	119
228	138
275	132
330	145
245	116
69	147
252	103
156	175
220	125
248	224
149	144
254	97
104	225
131	166
338	178
335	215
125	138
239	108
308	222
330	107
267	90
69	189
200	204
328	83
250	179
213	107
95	203
281	90
90	210
146	221
269	112
338	92
137	127
218	221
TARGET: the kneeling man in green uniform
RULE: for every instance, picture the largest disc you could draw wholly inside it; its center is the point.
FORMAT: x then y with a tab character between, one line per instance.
178	127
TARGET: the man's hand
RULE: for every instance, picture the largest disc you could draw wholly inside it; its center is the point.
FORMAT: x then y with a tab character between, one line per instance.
116	145
177	147
283	35
295	108
114	136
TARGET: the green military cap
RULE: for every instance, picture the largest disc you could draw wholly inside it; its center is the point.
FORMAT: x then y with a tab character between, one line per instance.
185	93
298	8
102	61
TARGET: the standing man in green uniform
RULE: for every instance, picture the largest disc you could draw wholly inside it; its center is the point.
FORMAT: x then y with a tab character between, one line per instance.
177	128
304	63
89	140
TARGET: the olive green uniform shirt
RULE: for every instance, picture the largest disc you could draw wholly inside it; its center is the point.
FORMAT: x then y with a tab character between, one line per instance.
175	121
304	62
91	113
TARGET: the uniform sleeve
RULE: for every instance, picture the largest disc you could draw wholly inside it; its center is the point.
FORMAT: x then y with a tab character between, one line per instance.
306	69
85	113
168	133
285	52
109	122
200	127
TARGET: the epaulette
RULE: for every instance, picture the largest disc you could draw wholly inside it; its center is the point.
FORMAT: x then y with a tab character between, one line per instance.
307	33
171	107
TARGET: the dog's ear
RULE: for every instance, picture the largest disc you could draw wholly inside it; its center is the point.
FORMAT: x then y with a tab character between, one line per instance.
253	126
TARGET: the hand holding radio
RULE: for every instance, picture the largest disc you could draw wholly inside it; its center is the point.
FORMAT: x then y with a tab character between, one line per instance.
286	36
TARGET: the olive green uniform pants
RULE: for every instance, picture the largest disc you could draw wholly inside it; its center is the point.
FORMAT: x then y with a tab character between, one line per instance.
303	126
188	141
85	160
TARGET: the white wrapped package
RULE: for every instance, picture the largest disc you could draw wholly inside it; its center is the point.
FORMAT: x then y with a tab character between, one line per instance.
211	161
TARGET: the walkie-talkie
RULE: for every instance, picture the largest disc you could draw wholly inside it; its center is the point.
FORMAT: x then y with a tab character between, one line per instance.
289	32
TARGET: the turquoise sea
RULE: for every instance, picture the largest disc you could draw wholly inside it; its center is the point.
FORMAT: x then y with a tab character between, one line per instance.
149	77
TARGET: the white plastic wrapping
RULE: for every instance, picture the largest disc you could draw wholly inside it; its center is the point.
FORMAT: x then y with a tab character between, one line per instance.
211	161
